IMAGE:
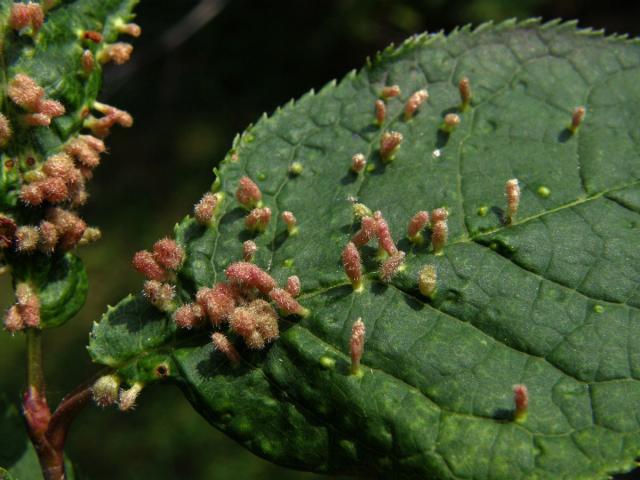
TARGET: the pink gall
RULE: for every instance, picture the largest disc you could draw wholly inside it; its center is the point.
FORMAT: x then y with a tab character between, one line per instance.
352	265
189	316
243	321
266	320
54	189
293	285
7	231
87	61
90	235
27	239
464	86
32	194
217	302
381	112
390	91
286	303
24	15
204	211
356	345
391	266
521	401
51	108
82	151
132	29
248	193
414	102
5	131
118	53
358	163
48	237
60	166
417	223
576	118
439	230
450	122
160	295
224	346
427	281
145	263
248	275
290	221
385	241
249	249
389	145
258	219
127	398
168	254
25	92
13	321
28	305
105	390
92	36
512	191
368	230
36	120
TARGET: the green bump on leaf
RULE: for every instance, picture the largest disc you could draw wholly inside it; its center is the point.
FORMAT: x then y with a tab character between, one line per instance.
515	304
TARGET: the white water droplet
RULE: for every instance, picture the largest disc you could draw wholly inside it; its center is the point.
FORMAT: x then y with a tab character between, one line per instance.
436	153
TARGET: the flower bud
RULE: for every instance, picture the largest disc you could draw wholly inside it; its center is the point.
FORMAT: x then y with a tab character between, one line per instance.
356	345
352	265
222	344
105	390
414	102
248	193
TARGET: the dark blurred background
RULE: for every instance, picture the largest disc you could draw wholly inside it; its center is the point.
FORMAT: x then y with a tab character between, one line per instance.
201	72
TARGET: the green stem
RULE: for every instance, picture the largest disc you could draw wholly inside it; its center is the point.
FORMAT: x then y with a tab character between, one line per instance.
35	376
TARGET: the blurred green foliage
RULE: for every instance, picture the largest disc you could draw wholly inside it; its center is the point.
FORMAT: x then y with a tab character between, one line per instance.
188	102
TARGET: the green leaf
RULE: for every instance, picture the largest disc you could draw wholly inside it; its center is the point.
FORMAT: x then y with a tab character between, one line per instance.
53	59
60	283
550	301
18	458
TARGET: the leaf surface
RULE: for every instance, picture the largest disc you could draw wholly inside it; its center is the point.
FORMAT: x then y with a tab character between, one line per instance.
550	301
